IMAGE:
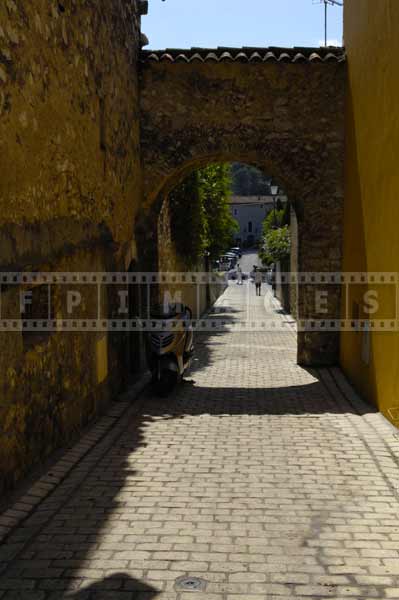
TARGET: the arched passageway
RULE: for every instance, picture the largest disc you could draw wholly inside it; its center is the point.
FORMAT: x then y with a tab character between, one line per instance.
280	111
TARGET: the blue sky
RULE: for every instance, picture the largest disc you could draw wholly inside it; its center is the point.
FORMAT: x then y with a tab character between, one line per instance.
211	23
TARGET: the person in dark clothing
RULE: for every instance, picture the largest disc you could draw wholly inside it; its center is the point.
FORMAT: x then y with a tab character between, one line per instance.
258	282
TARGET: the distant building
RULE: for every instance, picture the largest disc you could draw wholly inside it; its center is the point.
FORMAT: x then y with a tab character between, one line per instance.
250	212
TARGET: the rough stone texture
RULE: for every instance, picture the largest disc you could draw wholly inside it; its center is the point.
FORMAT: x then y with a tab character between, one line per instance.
259	476
68	113
286	119
52	384
70	187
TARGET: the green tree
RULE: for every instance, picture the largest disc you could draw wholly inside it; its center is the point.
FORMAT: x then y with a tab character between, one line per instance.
277	245
188	219
215	186
246	180
241	183
274	219
200	213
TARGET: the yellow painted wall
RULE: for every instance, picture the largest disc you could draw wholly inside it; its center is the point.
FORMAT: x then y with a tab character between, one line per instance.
371	238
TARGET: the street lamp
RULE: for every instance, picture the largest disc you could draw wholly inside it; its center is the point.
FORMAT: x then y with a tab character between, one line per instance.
274	192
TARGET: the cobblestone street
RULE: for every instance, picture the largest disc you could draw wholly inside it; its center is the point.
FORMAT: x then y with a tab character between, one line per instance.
262	479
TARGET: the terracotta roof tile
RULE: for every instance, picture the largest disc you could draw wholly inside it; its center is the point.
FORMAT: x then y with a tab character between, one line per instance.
196	57
241	57
284	57
252	55
315	57
270	56
255	57
212	56
225	56
299	58
182	58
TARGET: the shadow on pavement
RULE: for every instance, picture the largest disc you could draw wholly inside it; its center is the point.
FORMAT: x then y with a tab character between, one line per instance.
116	587
63	559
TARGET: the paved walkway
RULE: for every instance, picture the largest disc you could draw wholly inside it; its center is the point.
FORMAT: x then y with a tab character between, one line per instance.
260	478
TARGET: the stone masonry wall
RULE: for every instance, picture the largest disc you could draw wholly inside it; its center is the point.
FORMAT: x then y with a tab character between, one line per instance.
286	119
69	139
70	189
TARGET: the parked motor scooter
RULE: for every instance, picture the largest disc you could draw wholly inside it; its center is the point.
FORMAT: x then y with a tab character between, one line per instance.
170	347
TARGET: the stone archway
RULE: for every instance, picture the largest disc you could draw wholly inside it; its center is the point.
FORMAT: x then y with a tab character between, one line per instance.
284	115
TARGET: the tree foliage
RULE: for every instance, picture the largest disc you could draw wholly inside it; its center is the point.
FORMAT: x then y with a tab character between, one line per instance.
214	186
274	219
200	213
277	245
188	219
249	181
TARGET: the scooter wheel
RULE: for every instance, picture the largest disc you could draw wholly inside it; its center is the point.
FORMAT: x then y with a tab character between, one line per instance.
166	383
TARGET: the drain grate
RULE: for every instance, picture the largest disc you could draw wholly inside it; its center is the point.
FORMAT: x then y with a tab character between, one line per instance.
190	584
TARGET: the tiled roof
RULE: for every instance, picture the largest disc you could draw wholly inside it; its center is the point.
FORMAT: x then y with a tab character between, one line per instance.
251	55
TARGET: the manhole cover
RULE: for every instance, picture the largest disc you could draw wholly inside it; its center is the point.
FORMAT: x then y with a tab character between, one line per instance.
190	584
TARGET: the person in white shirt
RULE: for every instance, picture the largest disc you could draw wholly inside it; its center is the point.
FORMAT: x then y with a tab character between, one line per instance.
258	282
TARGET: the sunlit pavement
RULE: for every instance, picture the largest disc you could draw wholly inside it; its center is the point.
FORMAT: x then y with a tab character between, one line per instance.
256	479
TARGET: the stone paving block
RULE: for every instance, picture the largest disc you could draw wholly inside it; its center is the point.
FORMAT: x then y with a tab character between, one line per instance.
259	477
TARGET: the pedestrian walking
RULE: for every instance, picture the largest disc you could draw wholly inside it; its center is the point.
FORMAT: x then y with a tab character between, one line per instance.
258	282
239	275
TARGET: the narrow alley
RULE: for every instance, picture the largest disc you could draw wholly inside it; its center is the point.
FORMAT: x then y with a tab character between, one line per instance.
256	479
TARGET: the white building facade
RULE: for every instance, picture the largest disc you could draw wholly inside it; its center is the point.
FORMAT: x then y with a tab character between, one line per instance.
250	212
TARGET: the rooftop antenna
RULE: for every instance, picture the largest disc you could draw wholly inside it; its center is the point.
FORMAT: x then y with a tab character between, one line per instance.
326	4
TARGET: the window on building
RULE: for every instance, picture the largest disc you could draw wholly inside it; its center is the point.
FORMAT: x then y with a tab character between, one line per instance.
249	226
235	212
